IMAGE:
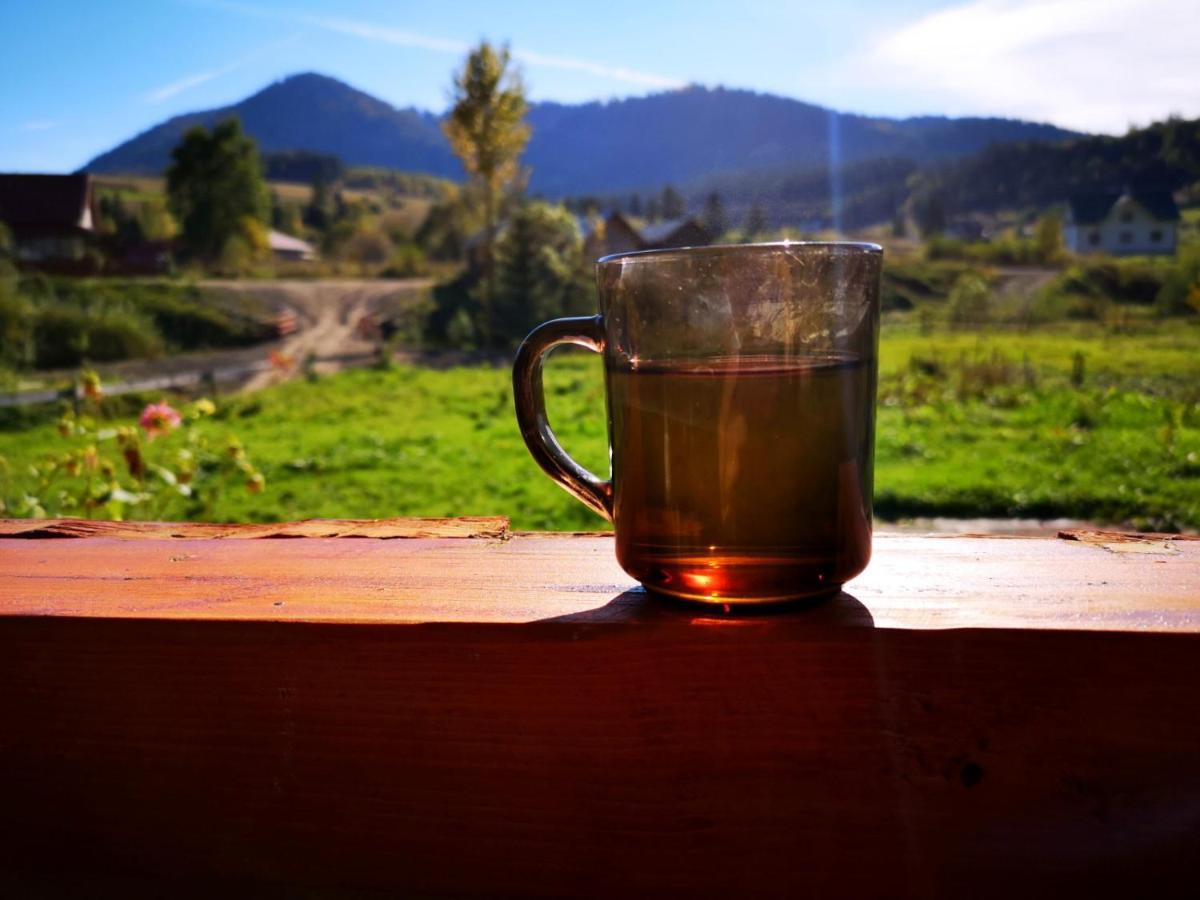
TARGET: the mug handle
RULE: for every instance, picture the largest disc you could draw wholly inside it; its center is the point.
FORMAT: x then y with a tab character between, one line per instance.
584	331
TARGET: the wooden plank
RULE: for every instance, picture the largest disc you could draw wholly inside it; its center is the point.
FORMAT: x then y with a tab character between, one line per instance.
913	582
596	759
508	716
466	526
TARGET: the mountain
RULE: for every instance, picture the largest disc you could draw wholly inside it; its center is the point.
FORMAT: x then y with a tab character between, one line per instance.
685	135
640	142
304	112
1162	156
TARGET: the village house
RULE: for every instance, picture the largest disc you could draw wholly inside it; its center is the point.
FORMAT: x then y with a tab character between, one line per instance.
1132	222
288	248
51	217
618	234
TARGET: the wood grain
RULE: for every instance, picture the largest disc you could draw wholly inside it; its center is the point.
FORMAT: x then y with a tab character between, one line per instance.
322	717
476	526
912	582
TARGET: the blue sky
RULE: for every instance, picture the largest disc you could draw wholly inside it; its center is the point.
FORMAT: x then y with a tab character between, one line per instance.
78	77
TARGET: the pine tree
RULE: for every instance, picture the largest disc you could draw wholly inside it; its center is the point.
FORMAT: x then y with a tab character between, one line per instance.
714	215
673	206
540	271
756	223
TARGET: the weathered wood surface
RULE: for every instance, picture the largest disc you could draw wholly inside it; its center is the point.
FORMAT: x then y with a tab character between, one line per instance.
470	526
506	716
1103	582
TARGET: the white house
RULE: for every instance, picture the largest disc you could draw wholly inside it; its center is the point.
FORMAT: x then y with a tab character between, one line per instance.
284	246
1133	222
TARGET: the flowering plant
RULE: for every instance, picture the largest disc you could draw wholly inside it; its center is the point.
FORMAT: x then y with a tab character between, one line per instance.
170	465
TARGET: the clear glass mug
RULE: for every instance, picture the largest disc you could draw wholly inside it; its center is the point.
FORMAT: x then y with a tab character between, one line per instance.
740	383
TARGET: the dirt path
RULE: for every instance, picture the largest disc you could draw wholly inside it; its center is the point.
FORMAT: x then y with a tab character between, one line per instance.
327	312
1022	281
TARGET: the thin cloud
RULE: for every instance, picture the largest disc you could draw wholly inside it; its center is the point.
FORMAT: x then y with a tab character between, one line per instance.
38	125
167	91
373	31
1093	65
174	88
615	73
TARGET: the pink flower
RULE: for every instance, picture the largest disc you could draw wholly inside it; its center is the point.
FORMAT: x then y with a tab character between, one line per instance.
158	418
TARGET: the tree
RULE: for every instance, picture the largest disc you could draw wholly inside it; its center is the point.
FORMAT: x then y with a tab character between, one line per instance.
540	271
635	205
929	212
714	215
673	206
216	188
285	217
969	302
652	209
319	211
1048	238
487	130
756	223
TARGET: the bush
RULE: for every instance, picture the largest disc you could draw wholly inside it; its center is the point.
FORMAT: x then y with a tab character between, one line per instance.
367	247
66	335
909	284
408	261
1180	290
1122	281
969	302
61	323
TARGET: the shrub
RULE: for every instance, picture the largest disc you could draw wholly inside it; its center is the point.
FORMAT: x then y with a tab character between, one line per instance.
408	261
969	302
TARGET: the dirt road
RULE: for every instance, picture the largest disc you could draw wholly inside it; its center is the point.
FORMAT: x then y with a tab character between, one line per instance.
327	313
1023	281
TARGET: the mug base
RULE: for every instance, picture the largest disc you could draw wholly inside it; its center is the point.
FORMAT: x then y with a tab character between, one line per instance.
794	597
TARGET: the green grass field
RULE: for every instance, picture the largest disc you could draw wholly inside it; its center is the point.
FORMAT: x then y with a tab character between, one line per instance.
1065	421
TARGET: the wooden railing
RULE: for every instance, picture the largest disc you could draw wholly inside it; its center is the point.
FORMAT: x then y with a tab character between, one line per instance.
318	710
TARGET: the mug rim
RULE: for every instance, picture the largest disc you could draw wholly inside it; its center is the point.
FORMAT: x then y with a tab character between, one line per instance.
865	247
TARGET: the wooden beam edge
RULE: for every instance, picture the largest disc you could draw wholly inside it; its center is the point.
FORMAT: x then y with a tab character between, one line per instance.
491	527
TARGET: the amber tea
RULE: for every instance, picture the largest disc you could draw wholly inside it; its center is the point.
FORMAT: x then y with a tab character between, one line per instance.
747	477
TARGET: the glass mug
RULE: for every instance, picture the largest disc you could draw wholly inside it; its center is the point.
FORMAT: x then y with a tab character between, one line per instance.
741	415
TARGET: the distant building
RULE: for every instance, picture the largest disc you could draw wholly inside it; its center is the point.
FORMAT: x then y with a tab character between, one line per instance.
1133	222
620	234
284	246
51	217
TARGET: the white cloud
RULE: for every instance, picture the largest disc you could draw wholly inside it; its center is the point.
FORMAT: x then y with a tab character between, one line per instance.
171	89
37	125
1093	65
167	91
373	31
613	73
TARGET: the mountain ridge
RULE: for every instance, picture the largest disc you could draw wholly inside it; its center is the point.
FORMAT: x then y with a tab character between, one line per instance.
679	136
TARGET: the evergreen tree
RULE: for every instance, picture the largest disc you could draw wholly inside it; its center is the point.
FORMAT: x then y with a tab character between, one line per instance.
540	271
929	212
216	189
673	206
714	215
756	223
319	212
635	205
653	213
487	130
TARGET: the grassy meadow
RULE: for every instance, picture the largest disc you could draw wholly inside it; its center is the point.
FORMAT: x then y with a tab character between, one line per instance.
1067	420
